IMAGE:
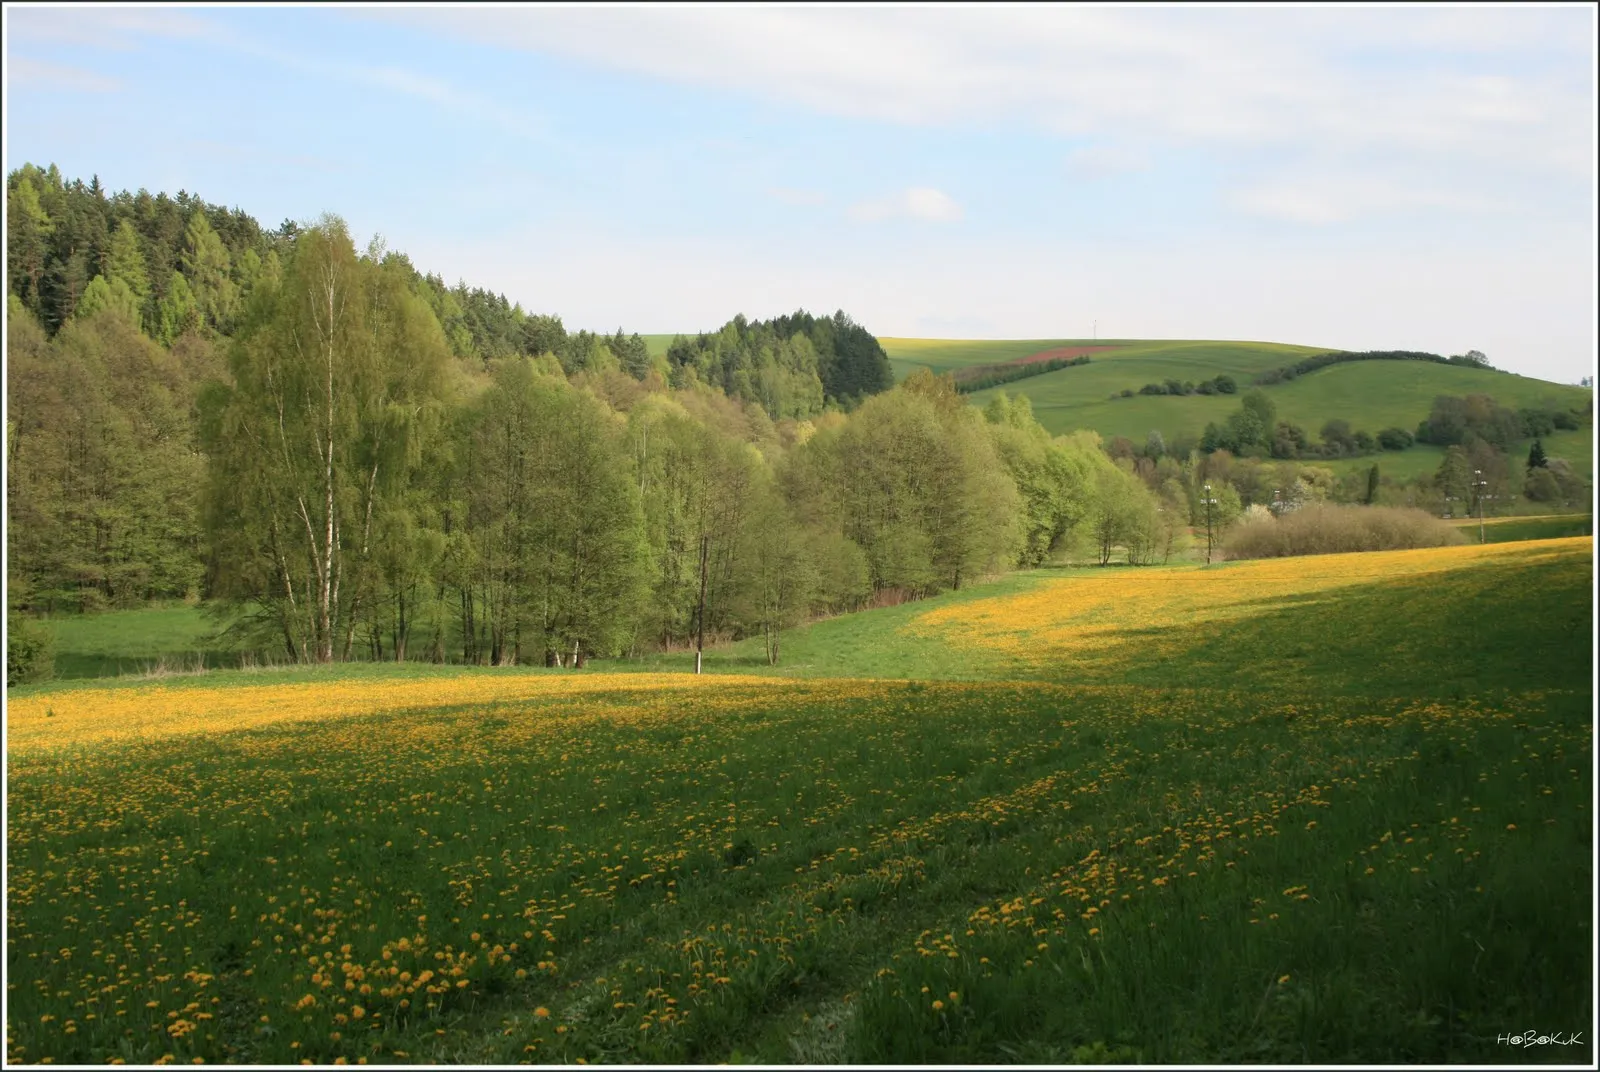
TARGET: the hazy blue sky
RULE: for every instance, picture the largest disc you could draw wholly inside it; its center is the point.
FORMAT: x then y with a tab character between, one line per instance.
1348	177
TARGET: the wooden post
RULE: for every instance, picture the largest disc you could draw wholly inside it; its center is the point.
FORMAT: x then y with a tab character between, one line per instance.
700	637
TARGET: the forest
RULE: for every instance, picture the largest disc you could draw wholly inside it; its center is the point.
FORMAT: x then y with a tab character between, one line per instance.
348	459
351	460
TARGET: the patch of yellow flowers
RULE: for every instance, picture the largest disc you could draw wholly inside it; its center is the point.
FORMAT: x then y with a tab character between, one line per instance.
1088	618
93	716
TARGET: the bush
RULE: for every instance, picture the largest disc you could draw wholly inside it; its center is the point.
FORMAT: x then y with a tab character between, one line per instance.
1324	529
30	651
1395	439
1542	486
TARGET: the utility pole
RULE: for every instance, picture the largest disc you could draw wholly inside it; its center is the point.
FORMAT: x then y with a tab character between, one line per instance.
1210	502
700	632
1479	484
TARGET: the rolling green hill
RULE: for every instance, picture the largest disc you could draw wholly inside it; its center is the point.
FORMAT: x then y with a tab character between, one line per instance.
1575	447
1371	395
658	344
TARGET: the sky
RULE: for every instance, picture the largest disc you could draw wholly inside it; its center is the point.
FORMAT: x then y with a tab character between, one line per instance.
1349	177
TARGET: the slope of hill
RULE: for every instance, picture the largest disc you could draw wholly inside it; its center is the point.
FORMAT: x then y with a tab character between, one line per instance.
1371	395
1124	362
1576	448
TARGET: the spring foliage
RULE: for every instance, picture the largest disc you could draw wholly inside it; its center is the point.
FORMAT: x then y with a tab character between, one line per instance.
351	461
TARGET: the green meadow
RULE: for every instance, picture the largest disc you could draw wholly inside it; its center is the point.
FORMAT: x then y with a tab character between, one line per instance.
1371	395
1575	447
1321	810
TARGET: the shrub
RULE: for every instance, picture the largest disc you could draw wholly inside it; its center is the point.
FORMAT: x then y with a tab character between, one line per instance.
1325	529
982	377
1395	439
1542	486
30	651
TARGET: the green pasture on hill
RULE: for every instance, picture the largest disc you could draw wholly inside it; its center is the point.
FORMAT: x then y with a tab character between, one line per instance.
1132	362
1575	447
1371	395
1513	529
1345	822
657	344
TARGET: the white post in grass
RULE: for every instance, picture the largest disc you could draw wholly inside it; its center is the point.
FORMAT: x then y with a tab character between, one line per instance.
1479	485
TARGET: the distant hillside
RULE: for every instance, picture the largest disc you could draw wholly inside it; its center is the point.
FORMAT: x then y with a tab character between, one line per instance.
1371	395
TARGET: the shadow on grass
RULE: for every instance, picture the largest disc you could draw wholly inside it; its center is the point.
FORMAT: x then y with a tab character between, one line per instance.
75	665
1499	626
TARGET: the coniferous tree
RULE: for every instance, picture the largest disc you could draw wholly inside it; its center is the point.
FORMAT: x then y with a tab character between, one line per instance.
100	296
28	229
207	268
1536	456
125	265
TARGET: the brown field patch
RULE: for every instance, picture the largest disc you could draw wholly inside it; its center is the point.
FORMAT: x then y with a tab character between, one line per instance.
1060	351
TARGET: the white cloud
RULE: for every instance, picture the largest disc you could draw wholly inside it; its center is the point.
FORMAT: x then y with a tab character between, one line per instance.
124	29
115	28
1237	76
1501	100
23	72
917	203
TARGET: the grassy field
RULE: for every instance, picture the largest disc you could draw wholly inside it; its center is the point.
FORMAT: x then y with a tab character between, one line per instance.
1576	447
1371	395
1510	529
132	642
657	344
1331	809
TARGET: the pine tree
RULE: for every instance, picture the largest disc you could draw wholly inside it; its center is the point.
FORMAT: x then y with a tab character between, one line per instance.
100	296
208	267
1536	458
125	264
178	311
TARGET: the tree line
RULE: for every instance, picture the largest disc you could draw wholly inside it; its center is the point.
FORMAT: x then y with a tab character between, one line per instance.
179	265
973	378
1217	385
1285	373
348	483
353	460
